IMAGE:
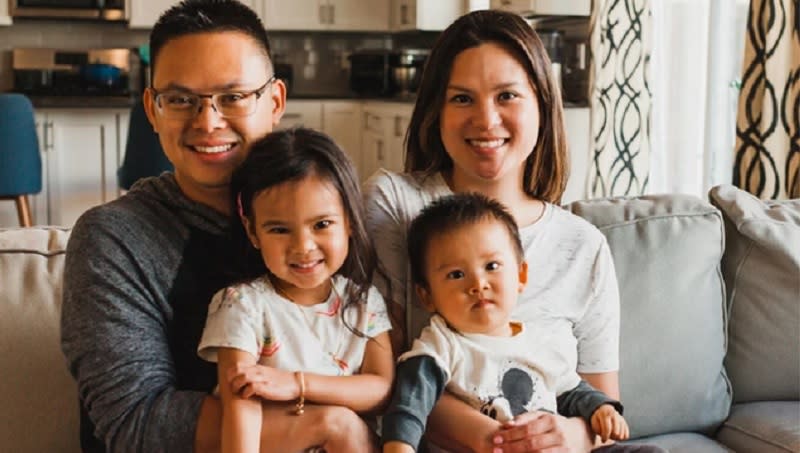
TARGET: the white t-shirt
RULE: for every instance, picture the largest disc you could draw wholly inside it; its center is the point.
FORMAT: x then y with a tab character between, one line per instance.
571	296
254	318
480	369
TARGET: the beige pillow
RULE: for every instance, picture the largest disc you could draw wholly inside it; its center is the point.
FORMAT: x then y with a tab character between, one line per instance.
761	267
39	410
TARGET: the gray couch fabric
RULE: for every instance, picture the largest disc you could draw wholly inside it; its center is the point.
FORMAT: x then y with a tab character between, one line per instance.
672	339
766	427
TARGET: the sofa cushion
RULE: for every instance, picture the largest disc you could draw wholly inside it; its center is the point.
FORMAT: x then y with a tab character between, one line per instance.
39	410
766	427
761	266
683	443
667	252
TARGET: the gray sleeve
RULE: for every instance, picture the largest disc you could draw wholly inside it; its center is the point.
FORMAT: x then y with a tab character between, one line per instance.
419	382
114	336
583	400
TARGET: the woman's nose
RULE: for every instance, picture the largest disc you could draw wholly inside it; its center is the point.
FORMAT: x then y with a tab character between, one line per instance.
486	115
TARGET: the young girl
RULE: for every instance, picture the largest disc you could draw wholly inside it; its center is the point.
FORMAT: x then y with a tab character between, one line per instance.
308	328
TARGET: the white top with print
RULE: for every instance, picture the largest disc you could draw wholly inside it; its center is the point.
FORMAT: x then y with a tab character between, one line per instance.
482	368
254	318
571	296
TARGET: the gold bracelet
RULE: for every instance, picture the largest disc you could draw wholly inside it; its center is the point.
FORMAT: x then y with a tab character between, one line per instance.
299	407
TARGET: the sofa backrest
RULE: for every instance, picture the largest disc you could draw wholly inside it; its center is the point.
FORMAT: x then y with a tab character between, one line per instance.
762	272
39	410
667	252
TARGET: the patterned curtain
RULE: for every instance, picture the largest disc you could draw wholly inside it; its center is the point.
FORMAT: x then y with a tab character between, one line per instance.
621	98
767	154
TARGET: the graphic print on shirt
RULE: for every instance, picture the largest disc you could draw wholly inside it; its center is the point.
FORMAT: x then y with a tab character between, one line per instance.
271	346
518	393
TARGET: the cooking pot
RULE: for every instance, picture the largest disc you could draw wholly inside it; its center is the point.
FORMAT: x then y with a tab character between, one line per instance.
101	73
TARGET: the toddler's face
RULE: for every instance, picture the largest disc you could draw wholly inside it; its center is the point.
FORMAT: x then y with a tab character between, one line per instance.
474	278
302	231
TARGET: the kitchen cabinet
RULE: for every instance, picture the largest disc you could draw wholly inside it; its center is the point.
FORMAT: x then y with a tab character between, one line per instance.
336	118
383	129
340	120
145	13
431	15
81	151
5	18
545	7
340	15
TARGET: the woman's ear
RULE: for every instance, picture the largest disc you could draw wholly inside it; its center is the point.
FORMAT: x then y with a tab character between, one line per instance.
250	232
425	298
523	275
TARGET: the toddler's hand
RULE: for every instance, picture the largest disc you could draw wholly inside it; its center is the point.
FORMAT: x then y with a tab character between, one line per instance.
263	381
609	424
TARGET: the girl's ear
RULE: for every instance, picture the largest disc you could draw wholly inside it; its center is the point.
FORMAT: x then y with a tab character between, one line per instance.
523	275
250	232
425	298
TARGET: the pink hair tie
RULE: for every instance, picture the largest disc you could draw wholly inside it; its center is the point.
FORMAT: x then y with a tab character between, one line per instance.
239	204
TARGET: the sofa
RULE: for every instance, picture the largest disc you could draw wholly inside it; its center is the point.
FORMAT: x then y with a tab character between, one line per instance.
710	325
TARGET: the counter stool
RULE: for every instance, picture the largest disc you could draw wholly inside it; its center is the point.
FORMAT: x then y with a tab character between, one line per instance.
20	161
143	154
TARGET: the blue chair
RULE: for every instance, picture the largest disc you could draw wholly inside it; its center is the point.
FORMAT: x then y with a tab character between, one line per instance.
20	161
143	153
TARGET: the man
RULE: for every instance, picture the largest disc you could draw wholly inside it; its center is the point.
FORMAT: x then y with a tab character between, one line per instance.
141	270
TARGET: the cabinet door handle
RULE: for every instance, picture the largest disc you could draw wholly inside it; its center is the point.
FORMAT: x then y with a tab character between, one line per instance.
397	131
381	155
404	14
48	135
322	13
332	14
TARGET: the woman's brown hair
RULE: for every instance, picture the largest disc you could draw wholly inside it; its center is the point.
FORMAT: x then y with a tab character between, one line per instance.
547	167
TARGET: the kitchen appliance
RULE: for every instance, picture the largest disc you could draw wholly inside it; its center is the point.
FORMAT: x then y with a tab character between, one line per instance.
406	67
106	10
80	73
369	73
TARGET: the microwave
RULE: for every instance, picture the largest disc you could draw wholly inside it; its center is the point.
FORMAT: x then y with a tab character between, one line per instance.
111	10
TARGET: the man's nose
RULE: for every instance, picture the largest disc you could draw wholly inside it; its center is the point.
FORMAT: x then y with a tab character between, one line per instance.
207	117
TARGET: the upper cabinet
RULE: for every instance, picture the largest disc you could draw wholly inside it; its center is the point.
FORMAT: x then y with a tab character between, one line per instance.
5	18
145	13
545	7
340	15
432	15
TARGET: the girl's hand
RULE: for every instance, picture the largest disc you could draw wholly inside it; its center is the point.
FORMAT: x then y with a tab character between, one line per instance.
542	432
609	424
269	383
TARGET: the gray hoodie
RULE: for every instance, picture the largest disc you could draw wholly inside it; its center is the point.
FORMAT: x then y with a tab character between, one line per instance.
139	274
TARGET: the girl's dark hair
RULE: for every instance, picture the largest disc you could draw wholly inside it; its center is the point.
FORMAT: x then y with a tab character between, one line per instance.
292	155
207	16
449	213
546	169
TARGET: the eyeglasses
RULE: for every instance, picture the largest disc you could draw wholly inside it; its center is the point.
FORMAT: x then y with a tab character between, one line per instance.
184	105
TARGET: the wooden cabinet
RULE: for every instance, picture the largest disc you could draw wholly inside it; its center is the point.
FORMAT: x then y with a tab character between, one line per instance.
81	151
432	15
383	129
145	13
339	119
5	18
341	15
545	7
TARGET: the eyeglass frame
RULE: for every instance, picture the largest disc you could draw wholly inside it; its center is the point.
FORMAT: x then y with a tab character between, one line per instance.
258	92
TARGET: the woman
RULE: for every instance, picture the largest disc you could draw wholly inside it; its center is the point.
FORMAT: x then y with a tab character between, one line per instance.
488	119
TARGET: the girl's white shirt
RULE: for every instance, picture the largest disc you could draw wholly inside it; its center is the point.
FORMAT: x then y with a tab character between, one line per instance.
255	318
571	296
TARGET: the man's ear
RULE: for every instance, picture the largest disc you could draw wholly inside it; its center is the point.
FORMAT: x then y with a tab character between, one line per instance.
250	232
150	107
425	298
523	275
278	95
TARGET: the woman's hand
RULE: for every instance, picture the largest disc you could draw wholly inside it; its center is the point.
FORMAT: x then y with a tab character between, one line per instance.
537	432
273	384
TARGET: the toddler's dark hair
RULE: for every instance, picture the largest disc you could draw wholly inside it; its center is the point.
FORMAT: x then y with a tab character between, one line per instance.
449	213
